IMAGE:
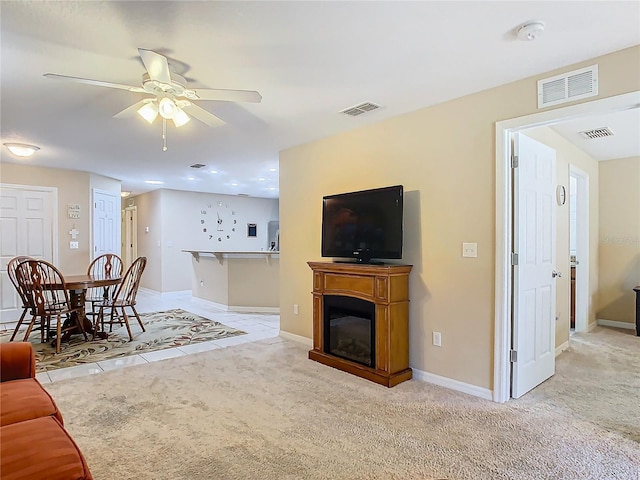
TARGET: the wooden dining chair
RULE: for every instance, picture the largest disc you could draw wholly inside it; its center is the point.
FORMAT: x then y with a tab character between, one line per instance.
124	297
24	298
107	265
48	294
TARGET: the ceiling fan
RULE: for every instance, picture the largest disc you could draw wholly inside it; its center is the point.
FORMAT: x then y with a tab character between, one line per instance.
171	99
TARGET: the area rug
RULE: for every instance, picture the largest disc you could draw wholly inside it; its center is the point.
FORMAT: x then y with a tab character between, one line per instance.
171	328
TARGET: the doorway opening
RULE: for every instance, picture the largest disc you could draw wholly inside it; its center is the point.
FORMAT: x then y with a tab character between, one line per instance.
579	247
129	247
504	222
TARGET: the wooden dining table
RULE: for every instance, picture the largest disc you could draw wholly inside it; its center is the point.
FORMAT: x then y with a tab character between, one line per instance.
77	286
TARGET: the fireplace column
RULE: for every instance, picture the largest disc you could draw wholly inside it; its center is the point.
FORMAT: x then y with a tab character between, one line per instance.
386	287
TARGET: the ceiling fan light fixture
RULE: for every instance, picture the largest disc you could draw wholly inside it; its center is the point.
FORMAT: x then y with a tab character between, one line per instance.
167	108
21	149
180	118
148	111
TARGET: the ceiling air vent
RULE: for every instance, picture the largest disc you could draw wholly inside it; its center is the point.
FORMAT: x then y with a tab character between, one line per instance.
360	109
568	87
197	165
597	133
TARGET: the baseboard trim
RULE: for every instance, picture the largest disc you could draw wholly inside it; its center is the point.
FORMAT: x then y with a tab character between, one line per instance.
297	338
562	348
232	308
616	324
474	390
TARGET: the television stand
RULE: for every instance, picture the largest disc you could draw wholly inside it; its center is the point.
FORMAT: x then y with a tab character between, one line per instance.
386	288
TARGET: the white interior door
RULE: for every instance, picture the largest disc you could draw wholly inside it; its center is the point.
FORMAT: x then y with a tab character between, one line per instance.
534	275
27	225
106	223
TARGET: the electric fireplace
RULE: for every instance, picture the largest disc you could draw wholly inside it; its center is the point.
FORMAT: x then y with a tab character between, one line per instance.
349	329
361	319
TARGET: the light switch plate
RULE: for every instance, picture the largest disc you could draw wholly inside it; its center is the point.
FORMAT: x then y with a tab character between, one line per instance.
470	250
73	245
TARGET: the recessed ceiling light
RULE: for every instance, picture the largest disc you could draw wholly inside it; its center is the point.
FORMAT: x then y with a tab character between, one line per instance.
234	184
273	169
21	149
272	188
153	182
191	178
261	179
213	171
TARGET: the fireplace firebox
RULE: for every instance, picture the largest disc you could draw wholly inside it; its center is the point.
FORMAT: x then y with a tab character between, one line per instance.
361	320
349	329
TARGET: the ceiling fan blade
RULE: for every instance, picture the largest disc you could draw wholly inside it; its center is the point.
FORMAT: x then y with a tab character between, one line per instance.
226	95
157	65
132	110
98	83
203	115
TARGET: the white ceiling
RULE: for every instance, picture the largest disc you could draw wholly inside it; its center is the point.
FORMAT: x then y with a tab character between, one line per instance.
309	60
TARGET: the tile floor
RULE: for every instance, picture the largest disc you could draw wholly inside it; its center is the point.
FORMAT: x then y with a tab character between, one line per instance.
257	325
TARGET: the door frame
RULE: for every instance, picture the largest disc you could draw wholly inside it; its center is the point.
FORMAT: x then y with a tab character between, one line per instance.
504	221
582	247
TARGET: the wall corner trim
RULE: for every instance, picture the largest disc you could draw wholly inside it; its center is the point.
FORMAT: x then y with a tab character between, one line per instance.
452	384
615	324
562	348
297	338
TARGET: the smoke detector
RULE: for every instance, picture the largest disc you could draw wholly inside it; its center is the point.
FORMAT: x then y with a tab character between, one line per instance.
530	31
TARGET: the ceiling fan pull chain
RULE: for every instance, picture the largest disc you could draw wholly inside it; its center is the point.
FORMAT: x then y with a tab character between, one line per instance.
164	134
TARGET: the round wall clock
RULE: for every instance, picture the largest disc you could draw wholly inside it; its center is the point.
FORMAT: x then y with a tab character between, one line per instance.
218	221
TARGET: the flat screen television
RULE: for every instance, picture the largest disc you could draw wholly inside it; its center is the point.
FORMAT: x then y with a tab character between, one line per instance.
363	225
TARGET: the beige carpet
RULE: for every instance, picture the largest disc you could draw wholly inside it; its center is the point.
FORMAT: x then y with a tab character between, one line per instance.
264	411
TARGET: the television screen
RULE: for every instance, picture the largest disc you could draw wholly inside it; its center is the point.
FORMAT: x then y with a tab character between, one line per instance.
363	225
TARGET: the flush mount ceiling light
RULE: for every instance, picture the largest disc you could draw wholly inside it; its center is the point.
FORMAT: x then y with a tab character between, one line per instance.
21	149
530	31
125	194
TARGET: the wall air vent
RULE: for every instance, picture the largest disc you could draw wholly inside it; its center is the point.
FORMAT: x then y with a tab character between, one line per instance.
597	133
360	109
197	165
568	87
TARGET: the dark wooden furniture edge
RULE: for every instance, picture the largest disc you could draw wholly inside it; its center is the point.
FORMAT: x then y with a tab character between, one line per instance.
382	378
637	290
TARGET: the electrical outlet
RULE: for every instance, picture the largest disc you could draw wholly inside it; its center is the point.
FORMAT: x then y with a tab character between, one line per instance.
470	250
295	308
202	283
437	339
73	245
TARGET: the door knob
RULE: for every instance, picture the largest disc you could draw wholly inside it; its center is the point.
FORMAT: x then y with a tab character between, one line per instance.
555	274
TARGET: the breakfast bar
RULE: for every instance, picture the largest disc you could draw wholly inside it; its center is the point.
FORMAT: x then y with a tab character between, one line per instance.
237	281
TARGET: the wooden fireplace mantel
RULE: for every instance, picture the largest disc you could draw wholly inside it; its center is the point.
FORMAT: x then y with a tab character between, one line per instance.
387	287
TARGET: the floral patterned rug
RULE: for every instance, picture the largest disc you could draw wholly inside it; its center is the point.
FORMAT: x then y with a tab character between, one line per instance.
171	328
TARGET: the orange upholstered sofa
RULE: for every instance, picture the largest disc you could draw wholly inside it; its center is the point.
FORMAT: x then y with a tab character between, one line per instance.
34	444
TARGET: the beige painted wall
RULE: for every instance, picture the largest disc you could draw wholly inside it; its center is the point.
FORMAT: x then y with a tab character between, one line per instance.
73	187
619	238
444	156
239	281
568	154
175	219
149	230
